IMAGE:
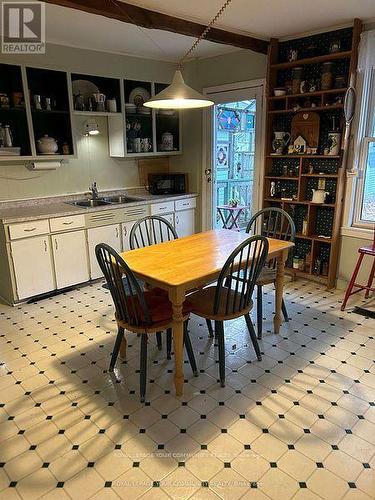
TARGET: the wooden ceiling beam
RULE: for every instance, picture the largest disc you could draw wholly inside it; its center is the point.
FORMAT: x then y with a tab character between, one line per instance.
146	18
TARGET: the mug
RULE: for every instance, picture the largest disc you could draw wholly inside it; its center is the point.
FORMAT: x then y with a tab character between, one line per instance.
145	145
137	145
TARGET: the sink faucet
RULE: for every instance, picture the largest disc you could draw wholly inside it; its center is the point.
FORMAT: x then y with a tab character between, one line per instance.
94	191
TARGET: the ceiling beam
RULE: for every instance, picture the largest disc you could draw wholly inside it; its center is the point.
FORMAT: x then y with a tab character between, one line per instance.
146	18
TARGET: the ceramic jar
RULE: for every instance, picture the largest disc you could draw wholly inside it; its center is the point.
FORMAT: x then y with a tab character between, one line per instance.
280	142
167	142
47	145
327	76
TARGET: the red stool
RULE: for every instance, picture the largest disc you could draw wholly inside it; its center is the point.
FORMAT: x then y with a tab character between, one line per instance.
370	250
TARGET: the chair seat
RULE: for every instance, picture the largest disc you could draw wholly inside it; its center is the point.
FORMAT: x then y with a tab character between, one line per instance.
370	250
159	307
203	300
266	276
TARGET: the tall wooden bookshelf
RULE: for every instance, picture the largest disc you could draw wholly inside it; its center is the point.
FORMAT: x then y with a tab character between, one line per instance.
296	175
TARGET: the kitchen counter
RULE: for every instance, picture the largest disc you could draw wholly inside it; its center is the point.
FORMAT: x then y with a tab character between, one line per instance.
42	208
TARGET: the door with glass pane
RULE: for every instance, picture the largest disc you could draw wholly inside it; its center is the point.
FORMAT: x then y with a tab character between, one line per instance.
233	174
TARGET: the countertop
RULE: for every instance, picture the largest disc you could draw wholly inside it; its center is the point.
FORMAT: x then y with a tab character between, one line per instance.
43	208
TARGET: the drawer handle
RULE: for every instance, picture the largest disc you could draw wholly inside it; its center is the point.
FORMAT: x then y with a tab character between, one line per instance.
29	230
177	219
162	208
68	223
185	204
116	232
56	244
45	246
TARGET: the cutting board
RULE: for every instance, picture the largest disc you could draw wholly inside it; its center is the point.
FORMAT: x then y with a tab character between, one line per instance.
307	125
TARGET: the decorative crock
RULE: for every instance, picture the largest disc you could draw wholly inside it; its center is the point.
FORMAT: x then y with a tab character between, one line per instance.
47	145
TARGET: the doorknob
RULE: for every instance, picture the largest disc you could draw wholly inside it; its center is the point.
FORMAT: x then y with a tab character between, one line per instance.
208	172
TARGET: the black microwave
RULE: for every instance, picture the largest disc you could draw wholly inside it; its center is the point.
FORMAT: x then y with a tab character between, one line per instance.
167	183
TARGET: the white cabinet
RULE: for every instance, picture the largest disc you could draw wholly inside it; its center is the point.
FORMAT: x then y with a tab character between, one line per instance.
185	222
105	234
70	257
126	227
32	264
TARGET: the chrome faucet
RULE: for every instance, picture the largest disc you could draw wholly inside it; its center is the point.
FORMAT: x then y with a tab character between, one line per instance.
94	191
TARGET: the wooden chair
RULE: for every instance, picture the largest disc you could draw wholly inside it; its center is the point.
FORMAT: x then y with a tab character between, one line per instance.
370	251
275	223
138	311
152	230
231	297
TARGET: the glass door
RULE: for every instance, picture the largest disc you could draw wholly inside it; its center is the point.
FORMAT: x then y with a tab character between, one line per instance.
232	163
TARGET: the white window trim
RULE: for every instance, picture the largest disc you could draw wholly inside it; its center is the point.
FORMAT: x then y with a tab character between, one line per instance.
362	125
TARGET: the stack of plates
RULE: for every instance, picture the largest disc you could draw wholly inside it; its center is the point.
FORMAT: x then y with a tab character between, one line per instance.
143	110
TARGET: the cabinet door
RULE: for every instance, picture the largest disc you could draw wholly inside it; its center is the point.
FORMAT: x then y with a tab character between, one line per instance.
70	256
32	265
126	228
105	234
185	223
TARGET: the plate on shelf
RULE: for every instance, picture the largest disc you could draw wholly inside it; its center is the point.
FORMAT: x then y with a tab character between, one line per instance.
138	96
130	108
84	87
166	112
143	110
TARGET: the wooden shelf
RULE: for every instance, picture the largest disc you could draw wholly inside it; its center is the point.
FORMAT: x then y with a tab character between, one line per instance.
298	202
330	176
96	113
313	60
282	177
307	274
305	94
317	108
313	238
328	157
50	111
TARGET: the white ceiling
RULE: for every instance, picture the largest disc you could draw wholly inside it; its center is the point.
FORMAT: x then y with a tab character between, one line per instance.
264	19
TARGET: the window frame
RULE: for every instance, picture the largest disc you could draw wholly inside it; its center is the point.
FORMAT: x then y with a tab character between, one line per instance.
365	136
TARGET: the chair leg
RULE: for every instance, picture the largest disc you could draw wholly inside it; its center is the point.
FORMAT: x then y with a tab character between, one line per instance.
143	367
219	331
189	350
370	280
253	336
211	333
159	341
259	310
116	348
169	343
285	312
352	281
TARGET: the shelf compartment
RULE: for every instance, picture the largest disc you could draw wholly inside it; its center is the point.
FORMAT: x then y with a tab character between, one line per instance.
317	108
313	60
316	93
110	87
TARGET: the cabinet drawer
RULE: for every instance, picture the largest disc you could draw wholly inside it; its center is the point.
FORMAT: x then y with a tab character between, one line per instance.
134	213
25	229
69	222
185	204
162	208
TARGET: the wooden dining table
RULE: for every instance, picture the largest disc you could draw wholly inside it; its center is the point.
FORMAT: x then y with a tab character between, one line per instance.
185	264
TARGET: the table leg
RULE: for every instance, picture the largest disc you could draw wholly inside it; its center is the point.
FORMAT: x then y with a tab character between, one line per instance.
123	346
222	218
178	341
279	286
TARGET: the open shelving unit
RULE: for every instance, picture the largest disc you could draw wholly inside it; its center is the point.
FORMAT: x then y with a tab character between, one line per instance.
296	175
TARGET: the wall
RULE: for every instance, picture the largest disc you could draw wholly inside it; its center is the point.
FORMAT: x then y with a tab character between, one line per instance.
93	162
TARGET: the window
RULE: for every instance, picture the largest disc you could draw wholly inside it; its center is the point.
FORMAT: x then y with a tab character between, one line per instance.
364	156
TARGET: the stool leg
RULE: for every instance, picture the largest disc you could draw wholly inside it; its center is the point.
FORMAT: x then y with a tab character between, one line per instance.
285	312
352	281
259	310
169	343
370	280
159	341
210	329
143	367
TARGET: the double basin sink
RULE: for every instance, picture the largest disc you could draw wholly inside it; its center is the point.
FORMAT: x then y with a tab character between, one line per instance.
110	200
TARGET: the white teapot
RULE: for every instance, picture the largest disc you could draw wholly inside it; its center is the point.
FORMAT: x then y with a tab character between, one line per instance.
47	145
319	195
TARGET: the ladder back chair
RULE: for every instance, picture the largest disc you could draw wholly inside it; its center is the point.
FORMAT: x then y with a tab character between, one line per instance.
231	297
136	310
276	223
148	231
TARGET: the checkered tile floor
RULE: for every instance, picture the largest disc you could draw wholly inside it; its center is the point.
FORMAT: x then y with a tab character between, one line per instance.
299	424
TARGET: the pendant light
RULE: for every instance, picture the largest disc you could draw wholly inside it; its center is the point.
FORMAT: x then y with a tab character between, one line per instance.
178	95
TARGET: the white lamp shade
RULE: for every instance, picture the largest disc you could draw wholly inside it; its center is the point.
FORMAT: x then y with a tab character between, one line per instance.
178	95
91	127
